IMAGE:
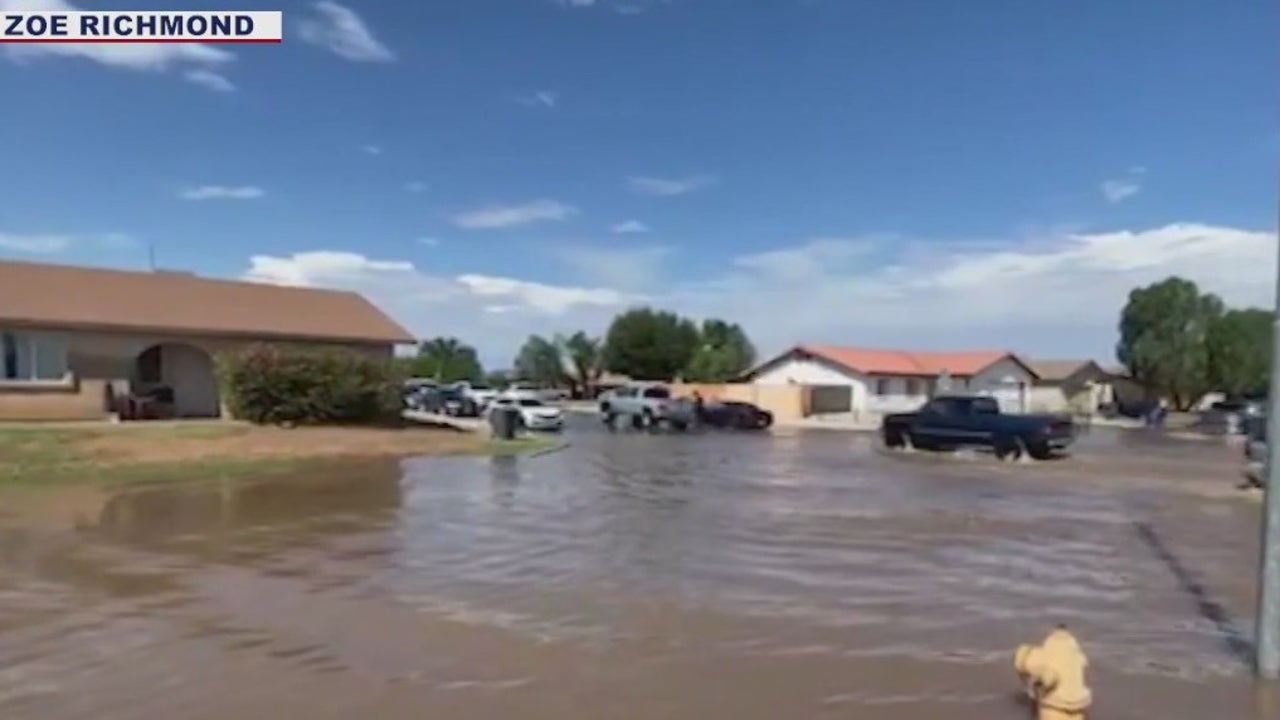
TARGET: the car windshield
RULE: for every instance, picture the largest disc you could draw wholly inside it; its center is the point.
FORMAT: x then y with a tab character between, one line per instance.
530	402
657	392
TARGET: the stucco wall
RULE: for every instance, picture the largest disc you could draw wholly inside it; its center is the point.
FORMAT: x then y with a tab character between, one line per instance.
99	359
793	371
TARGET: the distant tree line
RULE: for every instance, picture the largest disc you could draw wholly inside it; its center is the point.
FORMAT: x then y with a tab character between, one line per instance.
640	343
1182	344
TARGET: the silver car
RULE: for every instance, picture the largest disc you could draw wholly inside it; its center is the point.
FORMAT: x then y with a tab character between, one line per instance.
647	405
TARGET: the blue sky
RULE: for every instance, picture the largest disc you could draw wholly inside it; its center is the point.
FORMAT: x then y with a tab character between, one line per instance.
911	173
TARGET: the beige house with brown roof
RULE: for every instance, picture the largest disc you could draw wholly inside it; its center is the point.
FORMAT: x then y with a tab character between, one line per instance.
75	341
1075	385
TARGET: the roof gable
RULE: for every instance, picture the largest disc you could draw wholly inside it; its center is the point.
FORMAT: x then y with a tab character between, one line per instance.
34	294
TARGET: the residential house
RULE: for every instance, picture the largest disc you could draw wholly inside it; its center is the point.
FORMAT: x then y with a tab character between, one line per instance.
864	381
1079	386
74	341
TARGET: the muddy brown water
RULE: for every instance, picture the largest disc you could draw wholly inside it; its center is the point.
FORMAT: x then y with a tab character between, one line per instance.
798	575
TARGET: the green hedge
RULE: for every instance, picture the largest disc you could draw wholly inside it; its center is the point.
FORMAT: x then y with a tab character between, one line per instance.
279	385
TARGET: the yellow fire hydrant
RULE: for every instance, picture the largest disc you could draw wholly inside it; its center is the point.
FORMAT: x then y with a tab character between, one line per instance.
1053	673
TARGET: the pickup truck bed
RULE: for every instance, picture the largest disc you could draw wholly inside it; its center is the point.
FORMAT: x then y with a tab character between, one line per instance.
954	421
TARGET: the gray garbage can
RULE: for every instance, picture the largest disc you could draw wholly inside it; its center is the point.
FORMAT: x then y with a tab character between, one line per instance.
503	422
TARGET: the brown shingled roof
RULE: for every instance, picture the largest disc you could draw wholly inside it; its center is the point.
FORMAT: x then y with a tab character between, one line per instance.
1057	370
65	296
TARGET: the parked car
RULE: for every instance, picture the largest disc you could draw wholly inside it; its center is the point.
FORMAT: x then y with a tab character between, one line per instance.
420	396
534	414
453	402
735	415
1230	416
646	405
479	393
948	422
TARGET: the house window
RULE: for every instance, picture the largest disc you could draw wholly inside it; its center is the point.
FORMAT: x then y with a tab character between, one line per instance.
32	356
913	386
882	387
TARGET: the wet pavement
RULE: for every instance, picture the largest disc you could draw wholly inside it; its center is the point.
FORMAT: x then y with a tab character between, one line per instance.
789	575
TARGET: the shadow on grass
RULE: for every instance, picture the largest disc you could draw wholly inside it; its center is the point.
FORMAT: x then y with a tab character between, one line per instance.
1233	638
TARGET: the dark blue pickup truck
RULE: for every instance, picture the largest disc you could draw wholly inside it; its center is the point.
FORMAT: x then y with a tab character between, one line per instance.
948	422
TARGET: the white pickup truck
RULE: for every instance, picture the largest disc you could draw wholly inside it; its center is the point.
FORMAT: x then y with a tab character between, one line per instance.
647	405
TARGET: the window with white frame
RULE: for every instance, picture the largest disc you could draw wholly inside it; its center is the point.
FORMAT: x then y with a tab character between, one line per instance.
882	387
32	356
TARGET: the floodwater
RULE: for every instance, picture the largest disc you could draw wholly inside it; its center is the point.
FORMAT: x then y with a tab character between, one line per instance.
634	576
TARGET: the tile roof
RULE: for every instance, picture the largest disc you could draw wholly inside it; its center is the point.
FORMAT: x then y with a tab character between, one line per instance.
66	296
903	362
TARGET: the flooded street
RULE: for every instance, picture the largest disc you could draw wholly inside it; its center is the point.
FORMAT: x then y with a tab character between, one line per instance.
798	575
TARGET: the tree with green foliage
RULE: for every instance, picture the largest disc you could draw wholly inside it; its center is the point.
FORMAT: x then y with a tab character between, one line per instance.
539	361
447	359
647	344
1164	329
1239	345
724	353
584	354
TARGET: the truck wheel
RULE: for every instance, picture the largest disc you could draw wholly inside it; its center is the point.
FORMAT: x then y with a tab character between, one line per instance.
1040	451
637	422
679	425
893	439
647	420
1009	449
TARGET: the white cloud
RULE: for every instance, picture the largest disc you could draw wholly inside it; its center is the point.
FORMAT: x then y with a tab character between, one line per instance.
415	186
1117	190
51	243
1045	296
629	226
540	297
1060	296
667	187
371	149
806	260
209	79
491	312
198	60
340	30
629	268
501	216
222	192
429	241
541	98
34	244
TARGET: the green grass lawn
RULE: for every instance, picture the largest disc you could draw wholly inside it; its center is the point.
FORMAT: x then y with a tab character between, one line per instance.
35	454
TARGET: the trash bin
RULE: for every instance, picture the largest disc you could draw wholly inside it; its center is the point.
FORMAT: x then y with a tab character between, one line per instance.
503	422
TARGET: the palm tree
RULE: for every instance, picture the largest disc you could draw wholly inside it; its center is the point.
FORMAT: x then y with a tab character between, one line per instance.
585	356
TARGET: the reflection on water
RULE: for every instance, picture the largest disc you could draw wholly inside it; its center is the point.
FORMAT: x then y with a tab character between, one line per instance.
631	576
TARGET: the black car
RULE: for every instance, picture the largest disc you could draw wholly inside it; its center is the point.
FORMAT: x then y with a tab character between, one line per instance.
735	416
453	402
949	422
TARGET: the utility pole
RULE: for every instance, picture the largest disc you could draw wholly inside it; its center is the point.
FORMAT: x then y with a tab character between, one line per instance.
1267	626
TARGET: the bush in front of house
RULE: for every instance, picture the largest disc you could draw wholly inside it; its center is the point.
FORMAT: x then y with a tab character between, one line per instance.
270	384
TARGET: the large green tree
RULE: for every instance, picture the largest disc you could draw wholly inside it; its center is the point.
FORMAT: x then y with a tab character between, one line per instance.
724	353
648	344
584	354
1164	329
446	359
539	361
1239	345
